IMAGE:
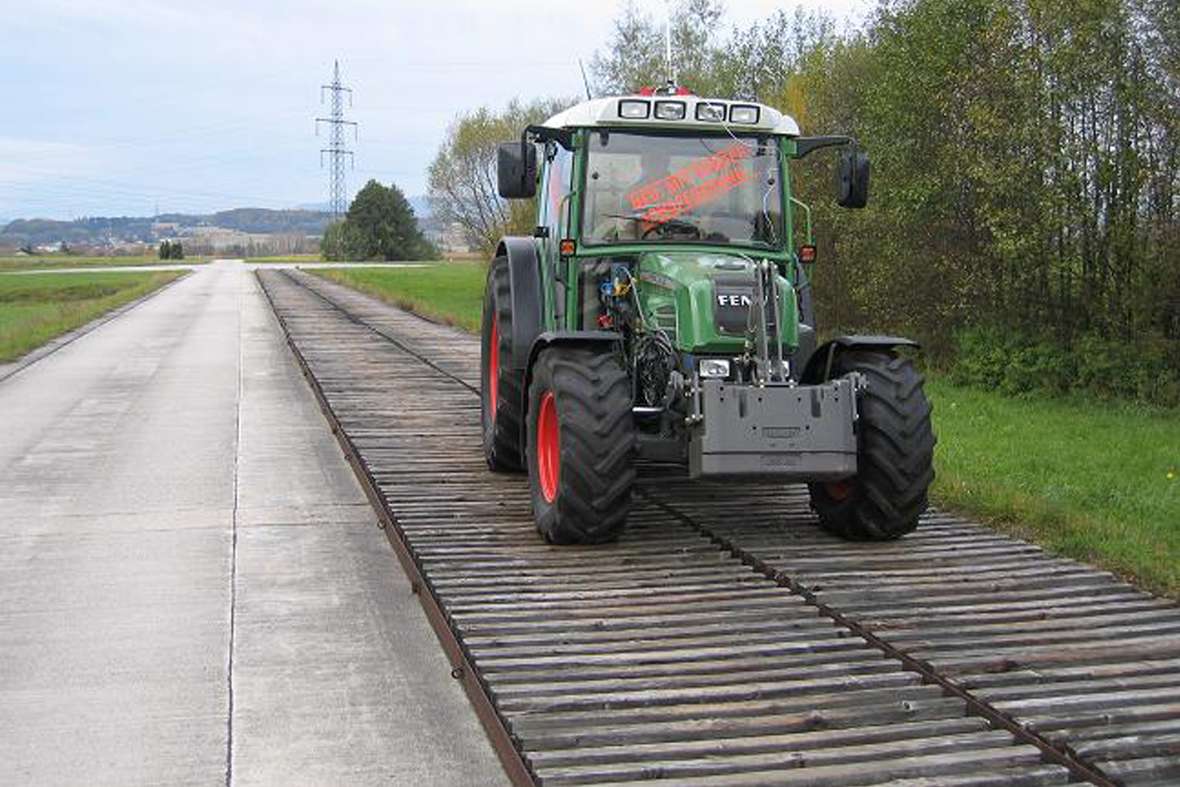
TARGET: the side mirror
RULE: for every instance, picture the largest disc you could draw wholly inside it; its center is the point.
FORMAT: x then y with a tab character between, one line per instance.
516	170
852	179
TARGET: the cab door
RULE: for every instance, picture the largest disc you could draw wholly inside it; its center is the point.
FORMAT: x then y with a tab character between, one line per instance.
553	225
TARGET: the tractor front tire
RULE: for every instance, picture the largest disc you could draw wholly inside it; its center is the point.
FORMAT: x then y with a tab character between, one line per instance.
895	453
581	445
501	384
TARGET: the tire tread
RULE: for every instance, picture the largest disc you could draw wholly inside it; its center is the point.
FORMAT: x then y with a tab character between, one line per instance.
597	446
896	453
502	429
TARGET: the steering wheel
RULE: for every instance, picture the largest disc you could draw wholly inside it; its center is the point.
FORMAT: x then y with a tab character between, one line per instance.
692	231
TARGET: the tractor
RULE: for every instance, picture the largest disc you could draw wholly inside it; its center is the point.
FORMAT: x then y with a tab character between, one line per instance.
660	314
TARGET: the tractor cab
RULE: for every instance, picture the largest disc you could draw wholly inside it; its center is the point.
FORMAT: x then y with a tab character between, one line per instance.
679	169
687	190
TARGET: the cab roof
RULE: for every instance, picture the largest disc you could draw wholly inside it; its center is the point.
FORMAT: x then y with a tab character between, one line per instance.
674	112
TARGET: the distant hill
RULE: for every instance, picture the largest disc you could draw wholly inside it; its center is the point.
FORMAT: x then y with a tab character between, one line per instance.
307	222
97	230
420	204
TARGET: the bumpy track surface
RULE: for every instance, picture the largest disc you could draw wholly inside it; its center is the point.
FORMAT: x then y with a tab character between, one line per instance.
726	639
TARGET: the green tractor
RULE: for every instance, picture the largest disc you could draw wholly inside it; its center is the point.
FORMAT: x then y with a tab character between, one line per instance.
661	313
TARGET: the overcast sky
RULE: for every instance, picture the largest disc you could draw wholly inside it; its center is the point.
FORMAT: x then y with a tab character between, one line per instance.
115	108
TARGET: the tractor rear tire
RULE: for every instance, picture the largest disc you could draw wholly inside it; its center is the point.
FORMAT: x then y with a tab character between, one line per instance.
895	453
501	383
581	445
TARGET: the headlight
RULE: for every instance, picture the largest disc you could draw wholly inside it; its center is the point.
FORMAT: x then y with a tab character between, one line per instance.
634	110
670	110
743	113
711	112
714	367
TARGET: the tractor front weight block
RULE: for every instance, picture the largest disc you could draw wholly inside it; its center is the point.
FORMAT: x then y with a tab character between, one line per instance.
789	432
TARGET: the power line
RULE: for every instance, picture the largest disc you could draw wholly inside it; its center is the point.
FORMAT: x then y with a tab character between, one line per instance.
336	150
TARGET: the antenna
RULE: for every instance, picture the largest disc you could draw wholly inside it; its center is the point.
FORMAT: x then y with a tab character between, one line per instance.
336	150
668	42
585	81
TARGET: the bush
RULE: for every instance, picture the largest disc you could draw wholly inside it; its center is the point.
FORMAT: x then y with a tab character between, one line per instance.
1016	364
171	250
340	242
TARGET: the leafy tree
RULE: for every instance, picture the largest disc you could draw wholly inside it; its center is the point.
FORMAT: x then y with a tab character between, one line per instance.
750	63
171	250
338	243
380	224
462	177
636	56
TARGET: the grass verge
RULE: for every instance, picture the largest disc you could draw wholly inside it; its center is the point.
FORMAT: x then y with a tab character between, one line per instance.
449	292
1089	480
37	308
1085	479
49	263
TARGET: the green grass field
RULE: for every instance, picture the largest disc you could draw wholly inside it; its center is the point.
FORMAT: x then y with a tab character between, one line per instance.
49	262
450	292
1091	480
37	308
1088	480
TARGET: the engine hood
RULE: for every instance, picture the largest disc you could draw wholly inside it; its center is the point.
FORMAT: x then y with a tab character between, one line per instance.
702	299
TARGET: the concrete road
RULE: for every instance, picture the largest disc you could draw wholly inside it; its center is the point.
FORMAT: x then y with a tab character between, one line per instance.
192	586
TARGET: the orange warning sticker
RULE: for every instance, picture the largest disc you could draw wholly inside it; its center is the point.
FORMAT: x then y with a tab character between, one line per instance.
701	181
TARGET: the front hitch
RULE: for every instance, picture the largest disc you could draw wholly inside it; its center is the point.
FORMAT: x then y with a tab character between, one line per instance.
791	432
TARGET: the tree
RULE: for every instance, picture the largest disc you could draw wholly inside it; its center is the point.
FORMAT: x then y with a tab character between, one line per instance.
380	224
339	242
750	63
171	250
635	55
462	177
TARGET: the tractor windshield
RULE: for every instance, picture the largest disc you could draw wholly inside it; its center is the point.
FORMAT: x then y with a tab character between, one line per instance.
714	189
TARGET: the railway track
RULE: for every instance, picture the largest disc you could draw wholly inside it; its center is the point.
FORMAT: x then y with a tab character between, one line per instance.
726	639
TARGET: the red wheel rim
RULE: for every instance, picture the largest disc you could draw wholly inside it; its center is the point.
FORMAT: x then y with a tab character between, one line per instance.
838	490
494	368
548	447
